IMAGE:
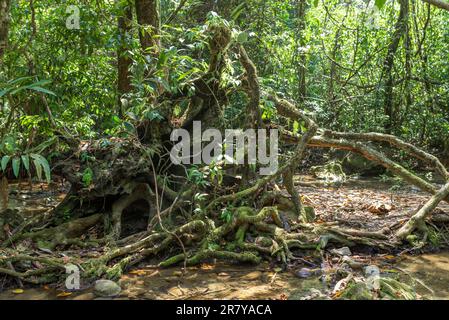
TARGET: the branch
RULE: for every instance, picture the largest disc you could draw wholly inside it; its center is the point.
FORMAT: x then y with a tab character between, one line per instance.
418	219
438	3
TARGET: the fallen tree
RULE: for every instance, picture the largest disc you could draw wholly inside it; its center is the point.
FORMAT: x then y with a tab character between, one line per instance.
111	177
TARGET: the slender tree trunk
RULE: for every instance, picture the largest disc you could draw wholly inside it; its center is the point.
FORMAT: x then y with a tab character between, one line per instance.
148	17
123	60
400	30
4	25
302	69
333	69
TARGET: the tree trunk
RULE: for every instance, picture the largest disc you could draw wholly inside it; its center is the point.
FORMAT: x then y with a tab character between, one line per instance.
123	61
439	3
399	31
4	25
148	17
301	70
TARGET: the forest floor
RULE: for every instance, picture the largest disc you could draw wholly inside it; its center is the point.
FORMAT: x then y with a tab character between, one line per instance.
368	204
362	204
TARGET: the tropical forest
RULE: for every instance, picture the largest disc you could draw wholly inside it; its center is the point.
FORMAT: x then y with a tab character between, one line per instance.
224	149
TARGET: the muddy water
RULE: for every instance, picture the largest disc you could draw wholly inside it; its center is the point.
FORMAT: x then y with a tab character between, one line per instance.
432	270
243	282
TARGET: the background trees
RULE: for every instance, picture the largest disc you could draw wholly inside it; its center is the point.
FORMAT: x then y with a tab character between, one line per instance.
359	65
4	25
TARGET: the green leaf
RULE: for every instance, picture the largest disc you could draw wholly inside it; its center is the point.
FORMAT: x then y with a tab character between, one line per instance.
18	80
242	37
16	166
38	167
296	127
26	162
44	163
238	11
380	3
5	91
43	90
116	119
88	177
5	161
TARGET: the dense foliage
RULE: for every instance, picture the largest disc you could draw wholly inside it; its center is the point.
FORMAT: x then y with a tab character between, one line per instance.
329	54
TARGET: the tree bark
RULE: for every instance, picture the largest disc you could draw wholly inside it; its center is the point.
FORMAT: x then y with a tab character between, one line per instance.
399	31
147	12
417	221
301	69
123	61
4	25
438	3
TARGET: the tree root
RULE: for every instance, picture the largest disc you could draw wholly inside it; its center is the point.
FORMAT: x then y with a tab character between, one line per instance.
418	220
141	191
66	233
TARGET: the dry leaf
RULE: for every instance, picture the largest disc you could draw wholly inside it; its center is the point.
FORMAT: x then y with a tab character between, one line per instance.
138	272
206	266
63	294
379	208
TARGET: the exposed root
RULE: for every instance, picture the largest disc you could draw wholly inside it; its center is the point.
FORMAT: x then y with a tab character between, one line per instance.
418	220
140	191
64	234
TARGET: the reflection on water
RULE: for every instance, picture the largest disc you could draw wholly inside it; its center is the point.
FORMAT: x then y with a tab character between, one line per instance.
244	282
432	270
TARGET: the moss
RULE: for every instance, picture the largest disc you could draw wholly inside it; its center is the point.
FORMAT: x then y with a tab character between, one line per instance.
357	291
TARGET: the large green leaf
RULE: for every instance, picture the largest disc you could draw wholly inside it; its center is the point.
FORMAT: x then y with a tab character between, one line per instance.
38	159
5	91
43	90
16	166
38	167
26	162
4	162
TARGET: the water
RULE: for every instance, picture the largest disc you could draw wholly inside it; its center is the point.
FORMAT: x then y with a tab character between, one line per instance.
432	270
242	282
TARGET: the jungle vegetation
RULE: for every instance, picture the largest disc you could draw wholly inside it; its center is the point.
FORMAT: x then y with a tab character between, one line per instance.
91	90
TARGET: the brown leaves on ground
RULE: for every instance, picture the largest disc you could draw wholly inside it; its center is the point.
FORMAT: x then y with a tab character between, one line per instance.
379	208
364	204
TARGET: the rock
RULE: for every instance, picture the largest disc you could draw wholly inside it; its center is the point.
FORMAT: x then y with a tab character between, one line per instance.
354	163
306	272
353	264
371	271
107	288
312	294
344	251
